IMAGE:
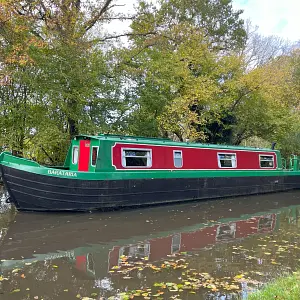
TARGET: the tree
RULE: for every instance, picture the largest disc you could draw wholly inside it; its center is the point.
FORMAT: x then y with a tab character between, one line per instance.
259	49
49	47
220	24
156	64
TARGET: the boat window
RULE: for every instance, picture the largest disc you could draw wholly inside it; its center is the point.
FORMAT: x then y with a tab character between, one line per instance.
177	158
136	158
226	232
176	242
75	155
265	223
266	161
226	160
135	252
94	156
90	264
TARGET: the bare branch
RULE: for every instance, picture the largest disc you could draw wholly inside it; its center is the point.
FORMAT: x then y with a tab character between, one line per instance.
90	23
118	18
125	34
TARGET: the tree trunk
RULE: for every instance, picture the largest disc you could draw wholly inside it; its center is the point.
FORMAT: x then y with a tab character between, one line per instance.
73	128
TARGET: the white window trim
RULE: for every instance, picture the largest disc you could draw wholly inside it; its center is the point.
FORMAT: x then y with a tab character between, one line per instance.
270	217
75	163
88	263
174	158
226	153
92	156
173	244
136	167
232	231
273	160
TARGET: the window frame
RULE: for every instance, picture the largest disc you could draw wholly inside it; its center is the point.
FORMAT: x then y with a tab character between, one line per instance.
96	156
174	159
260	227
175	247
273	161
73	148
221	236
226	153
123	160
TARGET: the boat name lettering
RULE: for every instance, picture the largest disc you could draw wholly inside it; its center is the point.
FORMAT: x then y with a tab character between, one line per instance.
62	173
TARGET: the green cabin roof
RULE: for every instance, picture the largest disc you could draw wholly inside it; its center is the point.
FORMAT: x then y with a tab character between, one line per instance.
163	141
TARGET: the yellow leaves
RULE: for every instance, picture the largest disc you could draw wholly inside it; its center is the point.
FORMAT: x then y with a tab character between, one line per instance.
3	278
15	270
94	294
232	287
259	273
116	267
239	276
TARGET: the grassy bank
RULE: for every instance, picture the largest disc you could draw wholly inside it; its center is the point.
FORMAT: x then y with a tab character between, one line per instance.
285	288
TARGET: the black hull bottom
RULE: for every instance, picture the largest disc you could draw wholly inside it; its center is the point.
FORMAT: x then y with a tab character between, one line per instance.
35	192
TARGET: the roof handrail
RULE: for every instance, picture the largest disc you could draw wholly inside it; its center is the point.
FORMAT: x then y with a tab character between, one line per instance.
123	136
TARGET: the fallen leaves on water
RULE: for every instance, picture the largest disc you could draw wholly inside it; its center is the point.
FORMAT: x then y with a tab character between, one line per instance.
3	278
15	270
189	280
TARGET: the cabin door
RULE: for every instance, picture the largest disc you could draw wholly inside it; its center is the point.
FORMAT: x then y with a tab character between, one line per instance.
84	155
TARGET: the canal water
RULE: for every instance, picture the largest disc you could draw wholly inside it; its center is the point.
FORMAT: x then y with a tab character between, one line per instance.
220	249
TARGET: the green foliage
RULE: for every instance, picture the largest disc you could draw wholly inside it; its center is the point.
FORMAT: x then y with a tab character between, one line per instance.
180	75
57	79
216	18
283	288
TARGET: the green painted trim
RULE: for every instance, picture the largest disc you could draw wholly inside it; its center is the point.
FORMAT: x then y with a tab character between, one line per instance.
68	158
33	167
8	158
73	167
94	143
166	142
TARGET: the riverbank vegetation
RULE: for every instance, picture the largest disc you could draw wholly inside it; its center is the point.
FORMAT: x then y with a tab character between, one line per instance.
183	69
283	288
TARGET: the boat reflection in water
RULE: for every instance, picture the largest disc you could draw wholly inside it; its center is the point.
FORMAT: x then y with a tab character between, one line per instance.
94	243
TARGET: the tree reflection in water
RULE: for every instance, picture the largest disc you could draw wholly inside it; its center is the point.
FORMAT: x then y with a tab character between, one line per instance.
63	256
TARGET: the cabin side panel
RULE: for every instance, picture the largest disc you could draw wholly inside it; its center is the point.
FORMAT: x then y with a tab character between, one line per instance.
162	157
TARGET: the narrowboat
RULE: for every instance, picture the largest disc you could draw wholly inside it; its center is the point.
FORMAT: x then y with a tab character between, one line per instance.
112	171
